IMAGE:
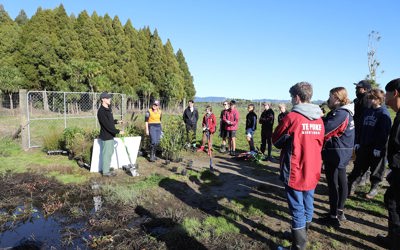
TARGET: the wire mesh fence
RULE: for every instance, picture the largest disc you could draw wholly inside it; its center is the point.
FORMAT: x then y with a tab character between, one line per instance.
50	112
9	114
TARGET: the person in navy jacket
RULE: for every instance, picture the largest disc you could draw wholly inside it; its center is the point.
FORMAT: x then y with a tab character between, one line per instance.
300	135
337	151
251	126
371	144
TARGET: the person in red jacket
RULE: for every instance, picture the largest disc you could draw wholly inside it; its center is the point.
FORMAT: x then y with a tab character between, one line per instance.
300	135
231	120
209	124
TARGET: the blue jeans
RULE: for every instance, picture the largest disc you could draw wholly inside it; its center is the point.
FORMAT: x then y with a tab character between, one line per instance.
301	206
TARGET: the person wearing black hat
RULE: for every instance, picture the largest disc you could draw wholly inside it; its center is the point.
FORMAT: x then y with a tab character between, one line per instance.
392	195
360	105
107	132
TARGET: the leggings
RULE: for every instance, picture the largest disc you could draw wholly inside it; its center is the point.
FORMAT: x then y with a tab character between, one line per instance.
338	189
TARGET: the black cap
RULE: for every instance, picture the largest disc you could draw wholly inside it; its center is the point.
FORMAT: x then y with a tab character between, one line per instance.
233	102
366	84
393	85
105	95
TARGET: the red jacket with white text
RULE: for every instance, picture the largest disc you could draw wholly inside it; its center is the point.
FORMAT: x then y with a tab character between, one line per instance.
300	135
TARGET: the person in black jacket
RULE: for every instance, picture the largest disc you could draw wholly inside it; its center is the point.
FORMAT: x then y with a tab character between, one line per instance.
360	105
251	126
371	143
267	122
107	132
392	195
190	117
282	112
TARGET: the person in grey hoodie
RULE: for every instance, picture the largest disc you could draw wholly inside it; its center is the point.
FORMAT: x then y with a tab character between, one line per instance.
337	152
300	135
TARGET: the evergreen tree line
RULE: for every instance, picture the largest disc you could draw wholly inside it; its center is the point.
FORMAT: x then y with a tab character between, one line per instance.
55	52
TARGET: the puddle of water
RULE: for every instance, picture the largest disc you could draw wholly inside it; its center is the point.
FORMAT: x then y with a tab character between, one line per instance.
159	231
44	231
97	203
38	232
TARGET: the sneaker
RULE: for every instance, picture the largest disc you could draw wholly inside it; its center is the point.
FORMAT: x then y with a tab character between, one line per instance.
372	193
340	216
200	149
109	174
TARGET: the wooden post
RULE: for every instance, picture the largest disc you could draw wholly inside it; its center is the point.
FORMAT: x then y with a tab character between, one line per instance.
23	108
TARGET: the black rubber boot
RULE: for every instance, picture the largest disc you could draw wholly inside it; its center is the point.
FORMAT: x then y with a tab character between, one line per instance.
252	148
299	239
152	154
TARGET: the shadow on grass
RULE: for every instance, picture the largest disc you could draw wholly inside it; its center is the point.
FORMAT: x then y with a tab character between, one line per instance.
168	231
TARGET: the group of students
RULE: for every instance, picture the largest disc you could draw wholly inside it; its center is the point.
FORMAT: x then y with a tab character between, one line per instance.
306	138
363	126
228	126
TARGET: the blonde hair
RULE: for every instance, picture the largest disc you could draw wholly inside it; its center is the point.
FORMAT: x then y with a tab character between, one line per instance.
340	93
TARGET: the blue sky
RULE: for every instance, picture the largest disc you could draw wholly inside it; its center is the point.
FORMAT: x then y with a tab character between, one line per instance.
259	48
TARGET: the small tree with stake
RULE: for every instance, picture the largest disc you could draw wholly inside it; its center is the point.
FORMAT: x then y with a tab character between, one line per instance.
373	38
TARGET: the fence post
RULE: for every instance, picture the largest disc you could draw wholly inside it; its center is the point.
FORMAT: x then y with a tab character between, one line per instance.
123	104
23	108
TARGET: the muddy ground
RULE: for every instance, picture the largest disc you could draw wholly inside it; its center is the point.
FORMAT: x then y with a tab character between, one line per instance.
248	195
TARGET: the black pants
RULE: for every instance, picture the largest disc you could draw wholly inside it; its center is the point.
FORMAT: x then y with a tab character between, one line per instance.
266	138
392	202
191	133
365	159
337	185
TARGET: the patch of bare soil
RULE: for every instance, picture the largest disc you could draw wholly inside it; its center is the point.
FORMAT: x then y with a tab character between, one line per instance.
248	195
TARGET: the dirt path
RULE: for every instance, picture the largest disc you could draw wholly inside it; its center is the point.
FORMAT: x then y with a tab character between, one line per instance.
258	186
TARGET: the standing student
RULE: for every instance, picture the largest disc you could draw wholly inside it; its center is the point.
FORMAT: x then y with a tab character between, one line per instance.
267	122
190	117
251	126
222	127
360	105
337	152
282	112
107	132
371	144
153	128
392	195
300	135
231	120
209	124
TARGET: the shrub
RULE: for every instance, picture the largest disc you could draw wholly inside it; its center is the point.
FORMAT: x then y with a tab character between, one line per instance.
79	142
52	141
68	137
173	139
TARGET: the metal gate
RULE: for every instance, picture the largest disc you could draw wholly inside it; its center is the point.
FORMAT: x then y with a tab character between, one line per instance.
50	112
